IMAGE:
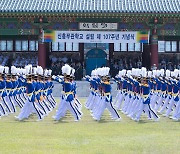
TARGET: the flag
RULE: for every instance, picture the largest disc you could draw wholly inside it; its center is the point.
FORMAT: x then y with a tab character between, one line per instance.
142	37
49	36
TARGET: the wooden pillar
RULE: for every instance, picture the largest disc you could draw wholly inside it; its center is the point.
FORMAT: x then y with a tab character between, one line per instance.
111	52
47	54
146	59
81	51
42	54
154	48
178	46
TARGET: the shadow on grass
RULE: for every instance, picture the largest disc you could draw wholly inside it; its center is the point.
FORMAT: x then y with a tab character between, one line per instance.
147	121
61	121
104	121
143	122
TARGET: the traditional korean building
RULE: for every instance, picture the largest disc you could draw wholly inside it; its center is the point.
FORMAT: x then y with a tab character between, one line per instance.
22	23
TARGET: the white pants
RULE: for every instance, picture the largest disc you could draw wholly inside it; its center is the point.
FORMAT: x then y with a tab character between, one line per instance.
133	107
170	106
130	105
6	105
111	109
25	111
159	103
2	109
167	100
61	109
177	109
117	98
28	108
10	103
126	101
16	101
119	101
148	111
89	99
154	98
70	107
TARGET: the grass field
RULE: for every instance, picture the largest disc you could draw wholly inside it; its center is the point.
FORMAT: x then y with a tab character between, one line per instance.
88	136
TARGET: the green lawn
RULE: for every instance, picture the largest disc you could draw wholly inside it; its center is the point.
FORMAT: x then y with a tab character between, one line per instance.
88	136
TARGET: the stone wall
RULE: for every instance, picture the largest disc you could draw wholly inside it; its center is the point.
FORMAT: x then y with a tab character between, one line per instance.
82	89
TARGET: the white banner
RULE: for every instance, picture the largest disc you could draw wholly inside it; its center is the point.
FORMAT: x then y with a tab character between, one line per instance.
96	37
98	26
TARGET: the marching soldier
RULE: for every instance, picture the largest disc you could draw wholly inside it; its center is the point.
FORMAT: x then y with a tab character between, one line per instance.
68	100
105	97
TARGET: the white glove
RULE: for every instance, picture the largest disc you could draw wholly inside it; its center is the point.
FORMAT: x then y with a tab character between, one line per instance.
53	77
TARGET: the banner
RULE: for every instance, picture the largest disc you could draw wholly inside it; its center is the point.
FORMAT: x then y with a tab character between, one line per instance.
96	36
142	37
49	36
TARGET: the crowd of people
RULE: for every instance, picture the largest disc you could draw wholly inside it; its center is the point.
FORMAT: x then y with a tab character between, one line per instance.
4	59
169	62
57	61
18	59
124	62
21	60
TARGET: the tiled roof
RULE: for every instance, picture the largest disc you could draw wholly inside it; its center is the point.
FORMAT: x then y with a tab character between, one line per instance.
80	6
